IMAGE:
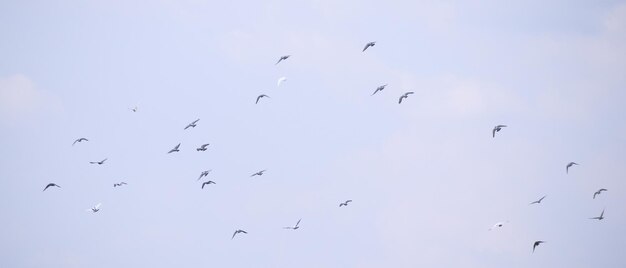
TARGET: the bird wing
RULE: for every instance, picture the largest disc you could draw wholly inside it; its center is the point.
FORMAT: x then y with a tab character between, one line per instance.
366	46
298	222
235	233
602	214
493	132
92	162
400	100
103	160
205	145
281	58
46	187
98	205
409	93
594	194
258	98
74	142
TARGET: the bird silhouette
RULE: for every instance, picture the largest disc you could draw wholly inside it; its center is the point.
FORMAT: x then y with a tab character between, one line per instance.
282	58
538	201
537	243
207	183
99	162
95	209
404	96
598	192
496	129
295	227
260	97
380	88
192	124
79	140
238	231
175	149
51	185
370	44
260	173
345	203
119	184
204	174
202	148
281	80
569	165
601	217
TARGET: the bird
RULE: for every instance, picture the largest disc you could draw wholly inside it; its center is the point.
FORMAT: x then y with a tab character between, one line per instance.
380	88
537	243
598	192
498	225
570	164
238	231
119	184
79	140
204	174
295	227
281	80
598	218
207	182
370	44
538	201
260	97
134	109
51	185
99	162
345	203
175	149
282	58
95	209
404	96
258	173
497	129
192	124
202	148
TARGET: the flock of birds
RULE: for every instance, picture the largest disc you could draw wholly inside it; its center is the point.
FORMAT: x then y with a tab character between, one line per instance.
281	80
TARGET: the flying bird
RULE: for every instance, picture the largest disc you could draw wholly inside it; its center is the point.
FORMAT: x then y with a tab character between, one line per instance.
295	227
260	97
370	44
570	164
202	148
281	80
496	129
380	88
204	174
51	185
404	96
134	109
207	182
79	140
282	58
260	173
538	201
238	231
345	203
537	243
95	209
119	184
192	124
99	162
598	192
598	218
175	149
498	225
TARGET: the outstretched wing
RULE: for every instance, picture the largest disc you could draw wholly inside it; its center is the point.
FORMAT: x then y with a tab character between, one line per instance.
298	222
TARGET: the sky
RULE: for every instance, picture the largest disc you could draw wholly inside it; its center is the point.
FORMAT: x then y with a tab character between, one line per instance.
426	177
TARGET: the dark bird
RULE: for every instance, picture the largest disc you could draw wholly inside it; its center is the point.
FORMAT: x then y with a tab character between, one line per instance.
380	88
175	149
282	58
202	148
598	218
51	185
345	203
207	182
79	140
260	97
134	109
538	201
404	96
295	227
238	231
496	129
99	162
95	209
192	124
598	192
537	243
119	184
260	173
204	174
370	44
498	225
570	164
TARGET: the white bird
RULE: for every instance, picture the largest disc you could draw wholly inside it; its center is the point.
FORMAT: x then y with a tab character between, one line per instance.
538	201
598	192
370	44
497	129
599	218
404	96
498	225
95	209
569	165
282	58
79	140
238	231
281	80
175	149
192	124
344	203
204	174
380	88
203	147
295	227
260	97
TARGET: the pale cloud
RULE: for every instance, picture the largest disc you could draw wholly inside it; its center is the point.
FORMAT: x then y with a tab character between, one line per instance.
20	99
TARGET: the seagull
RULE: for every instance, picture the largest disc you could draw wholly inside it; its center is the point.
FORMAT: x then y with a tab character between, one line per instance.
238	231
260	97
119	184
570	164
192	124
598	192
498	225
380	88
99	162
497	129
51	185
258	173
295	227
537	243
175	149
404	96
207	182
345	203
134	109
538	201
202	148
370	44
598	218
96	208
204	174
281	80
79	140
282	58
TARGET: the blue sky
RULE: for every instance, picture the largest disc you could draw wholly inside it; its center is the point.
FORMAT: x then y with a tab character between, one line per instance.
426	177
